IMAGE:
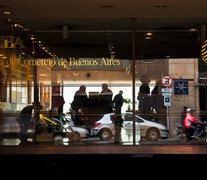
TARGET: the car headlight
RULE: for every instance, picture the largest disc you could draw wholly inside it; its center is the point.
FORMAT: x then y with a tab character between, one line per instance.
164	128
69	130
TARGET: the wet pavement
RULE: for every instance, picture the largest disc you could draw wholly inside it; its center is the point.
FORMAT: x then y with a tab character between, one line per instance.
16	139
10	135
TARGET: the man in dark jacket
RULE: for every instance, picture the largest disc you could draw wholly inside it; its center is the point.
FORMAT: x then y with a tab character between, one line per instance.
118	102
80	98
107	94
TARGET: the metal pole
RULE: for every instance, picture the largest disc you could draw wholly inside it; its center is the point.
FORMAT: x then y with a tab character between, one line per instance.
168	119
36	102
133	79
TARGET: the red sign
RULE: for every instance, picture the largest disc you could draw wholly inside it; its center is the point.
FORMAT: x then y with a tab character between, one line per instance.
167	81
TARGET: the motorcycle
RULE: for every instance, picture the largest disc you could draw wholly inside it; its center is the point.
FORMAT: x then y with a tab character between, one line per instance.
179	132
201	133
55	127
200	128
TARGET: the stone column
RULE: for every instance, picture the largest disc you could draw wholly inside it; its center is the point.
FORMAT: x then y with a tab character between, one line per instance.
183	70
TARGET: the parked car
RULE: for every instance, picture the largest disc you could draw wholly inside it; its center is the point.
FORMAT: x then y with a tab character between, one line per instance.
78	132
104	128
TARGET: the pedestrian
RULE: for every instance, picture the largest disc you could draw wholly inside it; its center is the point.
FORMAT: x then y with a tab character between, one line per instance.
118	102
79	101
57	104
80	98
118	121
79	117
107	95
183	115
144	97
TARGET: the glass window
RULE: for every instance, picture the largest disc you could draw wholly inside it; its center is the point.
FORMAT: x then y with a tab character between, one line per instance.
77	79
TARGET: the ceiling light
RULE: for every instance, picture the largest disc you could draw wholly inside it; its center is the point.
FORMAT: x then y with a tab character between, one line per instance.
149	34
147	37
4	57
193	29
7	12
18	25
32	37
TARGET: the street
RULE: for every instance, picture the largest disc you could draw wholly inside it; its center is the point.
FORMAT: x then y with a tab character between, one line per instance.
14	139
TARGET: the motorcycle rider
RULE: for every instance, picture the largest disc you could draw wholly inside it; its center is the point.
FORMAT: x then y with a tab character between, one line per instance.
190	124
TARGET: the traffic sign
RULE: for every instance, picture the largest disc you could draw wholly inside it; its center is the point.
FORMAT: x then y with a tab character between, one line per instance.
167	101
181	87
166	90
166	94
167	81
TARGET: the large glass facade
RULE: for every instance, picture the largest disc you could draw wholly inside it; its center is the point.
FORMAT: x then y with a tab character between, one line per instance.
81	85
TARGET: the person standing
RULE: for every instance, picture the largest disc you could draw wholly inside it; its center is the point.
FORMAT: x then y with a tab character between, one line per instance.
118	102
79	101
157	103
107	95
144	97
80	98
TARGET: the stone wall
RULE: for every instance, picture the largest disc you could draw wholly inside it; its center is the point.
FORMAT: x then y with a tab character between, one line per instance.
186	70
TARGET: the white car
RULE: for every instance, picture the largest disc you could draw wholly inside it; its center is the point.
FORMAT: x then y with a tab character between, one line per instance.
104	128
78	133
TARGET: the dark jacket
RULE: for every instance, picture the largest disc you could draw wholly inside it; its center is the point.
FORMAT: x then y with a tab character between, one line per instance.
118	101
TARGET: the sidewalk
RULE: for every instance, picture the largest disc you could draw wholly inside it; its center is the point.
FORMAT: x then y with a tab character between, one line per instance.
173	141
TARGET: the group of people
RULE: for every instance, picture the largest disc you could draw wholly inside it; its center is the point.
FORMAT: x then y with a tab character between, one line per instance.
80	99
190	123
151	104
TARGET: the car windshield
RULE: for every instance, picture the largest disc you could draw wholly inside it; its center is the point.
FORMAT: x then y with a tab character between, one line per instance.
129	117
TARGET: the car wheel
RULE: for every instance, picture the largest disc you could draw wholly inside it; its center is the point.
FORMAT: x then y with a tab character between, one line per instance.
76	136
58	139
70	133
153	134
105	134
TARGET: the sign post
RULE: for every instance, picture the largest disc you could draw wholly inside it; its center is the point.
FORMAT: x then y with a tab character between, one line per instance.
167	81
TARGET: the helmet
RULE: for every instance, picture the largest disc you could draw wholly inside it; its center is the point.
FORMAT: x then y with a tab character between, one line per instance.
190	109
